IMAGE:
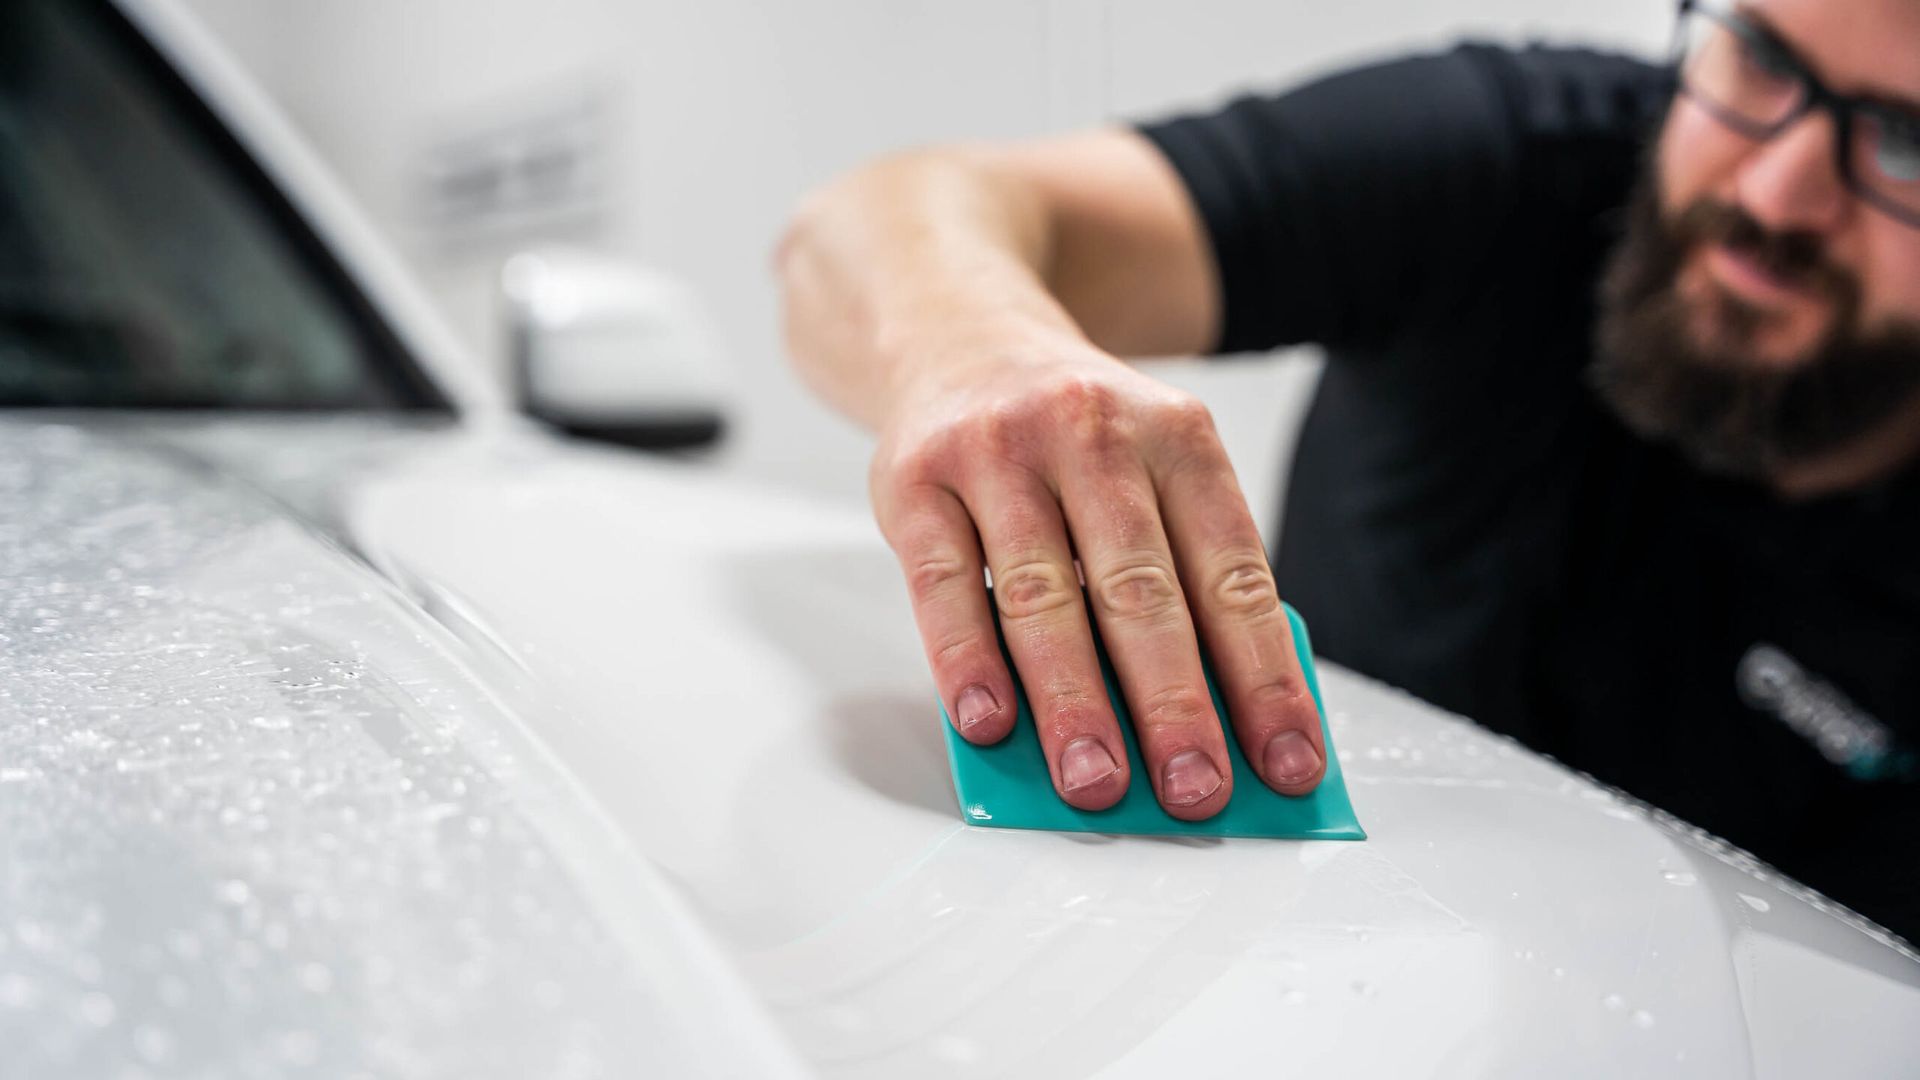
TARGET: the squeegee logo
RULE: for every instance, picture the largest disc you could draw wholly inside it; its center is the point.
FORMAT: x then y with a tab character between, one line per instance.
1847	735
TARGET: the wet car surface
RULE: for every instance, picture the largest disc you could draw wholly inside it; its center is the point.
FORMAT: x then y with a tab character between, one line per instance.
420	742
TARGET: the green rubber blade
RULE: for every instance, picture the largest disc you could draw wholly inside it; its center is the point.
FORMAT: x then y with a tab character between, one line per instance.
1007	785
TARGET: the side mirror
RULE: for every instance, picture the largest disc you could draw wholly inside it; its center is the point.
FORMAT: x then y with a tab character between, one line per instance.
607	350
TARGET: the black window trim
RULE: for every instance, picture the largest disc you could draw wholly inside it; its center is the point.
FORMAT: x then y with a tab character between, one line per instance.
387	355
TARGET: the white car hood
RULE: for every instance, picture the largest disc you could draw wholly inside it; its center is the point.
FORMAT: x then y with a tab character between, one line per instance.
734	674
731	678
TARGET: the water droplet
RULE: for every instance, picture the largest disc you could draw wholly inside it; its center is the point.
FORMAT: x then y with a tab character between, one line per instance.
85	967
1678	877
1293	997
1558	973
272	723
153	1044
88	739
1642	1018
173	991
183	944
956	1049
96	1008
235	891
379	970
315	977
16	991
1614	1002
299	1048
1755	902
1364	989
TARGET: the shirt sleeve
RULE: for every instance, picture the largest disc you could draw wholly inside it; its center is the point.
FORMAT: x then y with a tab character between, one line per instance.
1362	206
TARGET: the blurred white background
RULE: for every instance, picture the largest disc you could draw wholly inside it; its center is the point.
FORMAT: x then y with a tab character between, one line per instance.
680	134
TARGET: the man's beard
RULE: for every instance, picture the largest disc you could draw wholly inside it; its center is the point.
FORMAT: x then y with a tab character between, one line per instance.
1723	407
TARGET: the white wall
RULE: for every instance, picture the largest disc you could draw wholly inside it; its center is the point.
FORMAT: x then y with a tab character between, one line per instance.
721	113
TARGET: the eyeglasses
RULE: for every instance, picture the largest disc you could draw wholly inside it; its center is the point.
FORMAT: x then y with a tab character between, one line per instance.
1748	79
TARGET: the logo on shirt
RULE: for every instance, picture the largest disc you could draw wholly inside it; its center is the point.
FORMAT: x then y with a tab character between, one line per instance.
1847	735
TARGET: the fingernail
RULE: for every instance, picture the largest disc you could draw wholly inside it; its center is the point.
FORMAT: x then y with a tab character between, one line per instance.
976	705
1289	759
1084	763
1190	777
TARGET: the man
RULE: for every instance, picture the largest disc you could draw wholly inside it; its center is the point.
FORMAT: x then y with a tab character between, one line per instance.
1617	450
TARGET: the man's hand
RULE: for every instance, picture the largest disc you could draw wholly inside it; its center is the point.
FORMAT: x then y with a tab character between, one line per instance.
1022	465
966	304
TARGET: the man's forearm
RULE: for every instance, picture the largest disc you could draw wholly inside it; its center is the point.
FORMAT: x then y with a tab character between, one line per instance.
968	306
910	264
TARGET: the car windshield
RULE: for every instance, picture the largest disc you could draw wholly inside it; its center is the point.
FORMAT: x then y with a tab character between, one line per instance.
144	259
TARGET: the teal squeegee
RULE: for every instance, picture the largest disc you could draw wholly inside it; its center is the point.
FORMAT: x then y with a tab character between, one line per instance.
1007	786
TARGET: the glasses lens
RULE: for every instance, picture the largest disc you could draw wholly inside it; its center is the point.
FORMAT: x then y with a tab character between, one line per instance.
1742	76
1886	156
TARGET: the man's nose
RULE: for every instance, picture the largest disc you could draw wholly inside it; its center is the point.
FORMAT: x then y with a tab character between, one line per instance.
1790	184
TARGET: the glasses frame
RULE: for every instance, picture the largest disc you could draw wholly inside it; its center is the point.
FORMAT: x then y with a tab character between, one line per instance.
1845	109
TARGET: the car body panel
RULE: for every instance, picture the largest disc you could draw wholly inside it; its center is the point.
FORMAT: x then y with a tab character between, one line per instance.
258	814
737	730
732	674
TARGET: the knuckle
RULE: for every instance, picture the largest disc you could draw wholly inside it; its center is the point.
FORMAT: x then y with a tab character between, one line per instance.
1187	414
958	649
926	463
1187	419
1032	588
1142	590
1090	414
1175	711
1002	432
1185	434
1098	444
1241	586
886	478
1083	395
934	572
1278	696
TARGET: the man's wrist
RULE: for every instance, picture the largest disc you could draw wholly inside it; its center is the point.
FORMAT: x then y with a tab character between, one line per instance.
959	350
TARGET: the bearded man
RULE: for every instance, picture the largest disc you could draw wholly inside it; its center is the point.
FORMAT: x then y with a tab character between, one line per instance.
1617	449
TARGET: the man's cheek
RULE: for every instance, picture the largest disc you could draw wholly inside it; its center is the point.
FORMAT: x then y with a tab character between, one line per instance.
1890	278
1697	157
